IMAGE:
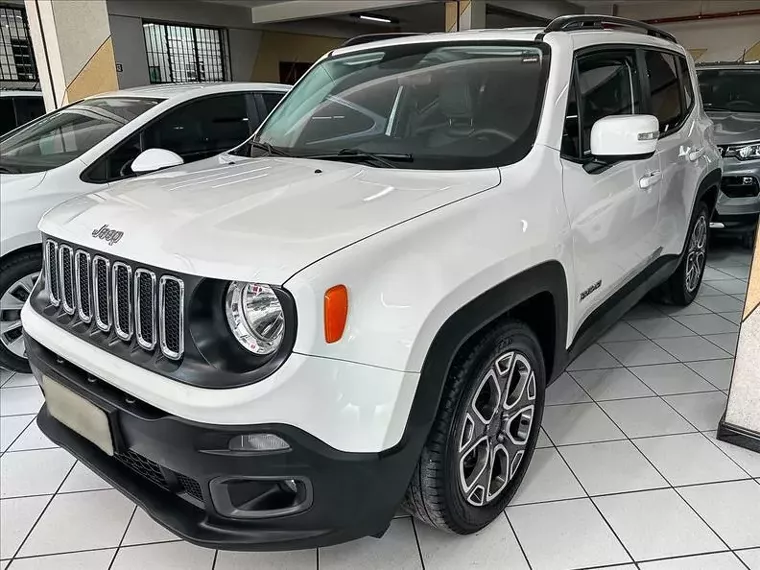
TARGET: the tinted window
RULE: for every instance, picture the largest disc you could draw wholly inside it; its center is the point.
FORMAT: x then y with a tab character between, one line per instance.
28	108
448	106
202	128
63	135
664	89
115	163
608	85
736	90
688	86
7	116
271	100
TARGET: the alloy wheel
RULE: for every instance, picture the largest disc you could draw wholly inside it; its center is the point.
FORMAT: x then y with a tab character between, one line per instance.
496	428
697	253
11	302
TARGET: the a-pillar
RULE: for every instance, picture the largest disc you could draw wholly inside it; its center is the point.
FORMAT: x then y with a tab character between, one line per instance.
741	423
73	49
465	15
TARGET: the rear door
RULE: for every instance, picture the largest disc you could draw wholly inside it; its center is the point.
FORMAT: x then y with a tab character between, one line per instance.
612	217
680	146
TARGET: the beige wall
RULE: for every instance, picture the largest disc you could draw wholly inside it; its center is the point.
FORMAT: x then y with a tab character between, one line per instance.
721	39
278	46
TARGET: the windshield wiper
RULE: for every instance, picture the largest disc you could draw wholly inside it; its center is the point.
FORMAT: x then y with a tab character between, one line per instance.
268	148
385	159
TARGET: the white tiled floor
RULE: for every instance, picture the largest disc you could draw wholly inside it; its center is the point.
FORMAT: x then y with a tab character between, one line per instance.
628	476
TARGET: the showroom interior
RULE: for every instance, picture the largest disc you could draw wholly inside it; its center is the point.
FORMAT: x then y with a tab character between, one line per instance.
648	455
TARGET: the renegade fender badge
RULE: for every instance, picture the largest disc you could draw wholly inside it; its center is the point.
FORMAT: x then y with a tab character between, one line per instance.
591	289
107	234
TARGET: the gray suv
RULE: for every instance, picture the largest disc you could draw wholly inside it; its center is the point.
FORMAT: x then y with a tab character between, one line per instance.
731	97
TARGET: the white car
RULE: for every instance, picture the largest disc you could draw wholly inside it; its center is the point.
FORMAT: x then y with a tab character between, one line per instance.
362	306
94	143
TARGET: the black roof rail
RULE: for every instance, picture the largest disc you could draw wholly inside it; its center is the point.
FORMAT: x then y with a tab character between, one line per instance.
367	38
598	22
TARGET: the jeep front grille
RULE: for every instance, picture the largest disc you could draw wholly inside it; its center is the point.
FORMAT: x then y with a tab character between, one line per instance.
130	300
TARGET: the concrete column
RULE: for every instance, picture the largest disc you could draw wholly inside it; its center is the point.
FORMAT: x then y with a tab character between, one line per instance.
741	423
465	15
73	49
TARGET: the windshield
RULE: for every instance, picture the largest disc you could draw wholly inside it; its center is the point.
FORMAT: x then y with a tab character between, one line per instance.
65	134
427	106
735	90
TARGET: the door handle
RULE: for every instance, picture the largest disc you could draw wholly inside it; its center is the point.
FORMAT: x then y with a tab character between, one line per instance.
646	182
696	154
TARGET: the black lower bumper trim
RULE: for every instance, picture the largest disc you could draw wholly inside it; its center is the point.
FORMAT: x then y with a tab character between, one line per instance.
736	435
354	494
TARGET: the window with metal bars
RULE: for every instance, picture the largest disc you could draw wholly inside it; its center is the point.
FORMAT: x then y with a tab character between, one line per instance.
181	54
16	55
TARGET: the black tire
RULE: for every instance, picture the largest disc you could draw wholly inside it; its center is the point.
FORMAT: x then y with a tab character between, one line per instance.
679	289
436	494
12	269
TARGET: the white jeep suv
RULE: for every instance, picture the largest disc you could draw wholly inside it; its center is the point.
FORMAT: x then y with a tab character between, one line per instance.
361	306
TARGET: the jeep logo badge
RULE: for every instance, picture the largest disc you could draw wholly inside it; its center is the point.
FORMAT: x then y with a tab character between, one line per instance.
106	233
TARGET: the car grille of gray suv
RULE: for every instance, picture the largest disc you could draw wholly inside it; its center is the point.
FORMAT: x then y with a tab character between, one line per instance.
115	296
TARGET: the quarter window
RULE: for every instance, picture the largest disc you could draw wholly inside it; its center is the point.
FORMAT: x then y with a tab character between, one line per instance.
664	90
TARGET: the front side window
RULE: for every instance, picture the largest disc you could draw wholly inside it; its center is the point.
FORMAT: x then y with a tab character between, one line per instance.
65	134
422	106
196	130
735	90
664	90
608	84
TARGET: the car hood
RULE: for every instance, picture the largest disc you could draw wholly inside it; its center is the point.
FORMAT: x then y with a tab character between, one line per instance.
732	128
254	219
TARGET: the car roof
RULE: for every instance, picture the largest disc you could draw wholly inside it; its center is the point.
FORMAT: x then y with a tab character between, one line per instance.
753	65
185	91
579	38
19	93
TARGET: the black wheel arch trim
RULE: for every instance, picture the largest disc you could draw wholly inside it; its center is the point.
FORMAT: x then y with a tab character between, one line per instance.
467	321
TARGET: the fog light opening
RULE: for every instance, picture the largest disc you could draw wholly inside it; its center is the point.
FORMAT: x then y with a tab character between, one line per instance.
260	497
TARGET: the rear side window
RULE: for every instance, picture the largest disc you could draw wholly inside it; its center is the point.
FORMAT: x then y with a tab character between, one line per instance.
271	99
664	90
608	84
28	108
7	117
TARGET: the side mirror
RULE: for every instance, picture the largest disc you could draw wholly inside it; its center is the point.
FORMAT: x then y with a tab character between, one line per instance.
624	137
155	159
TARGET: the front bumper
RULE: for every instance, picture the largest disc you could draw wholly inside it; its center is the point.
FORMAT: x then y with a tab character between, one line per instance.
738	201
171	467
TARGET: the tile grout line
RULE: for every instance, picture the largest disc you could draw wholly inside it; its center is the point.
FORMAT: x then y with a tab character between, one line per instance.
123	536
417	541
213	562
7	449
99	549
583	488
42	514
517	538
13	373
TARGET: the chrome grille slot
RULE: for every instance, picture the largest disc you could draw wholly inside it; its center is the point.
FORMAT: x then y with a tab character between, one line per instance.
171	300
66	273
121	281
145	308
83	282
101	273
51	272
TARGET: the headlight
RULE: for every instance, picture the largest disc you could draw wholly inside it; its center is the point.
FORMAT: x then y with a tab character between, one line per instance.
255	317
749	152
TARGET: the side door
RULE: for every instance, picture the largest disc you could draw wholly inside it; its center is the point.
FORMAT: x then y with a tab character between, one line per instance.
671	100
612	207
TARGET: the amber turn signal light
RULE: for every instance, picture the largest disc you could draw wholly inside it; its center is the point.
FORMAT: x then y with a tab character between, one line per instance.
336	312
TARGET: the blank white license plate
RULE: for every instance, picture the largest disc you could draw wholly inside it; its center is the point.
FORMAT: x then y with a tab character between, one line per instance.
78	414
